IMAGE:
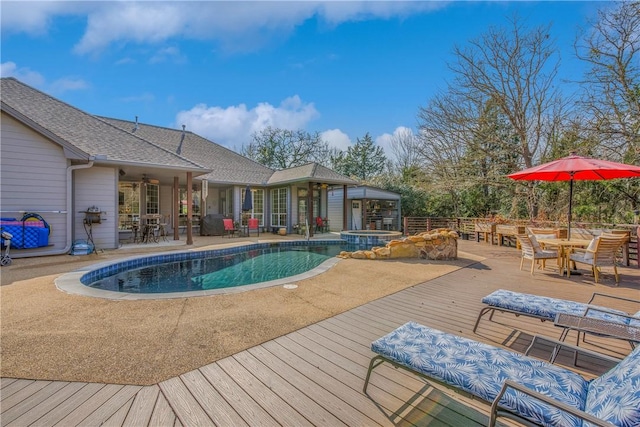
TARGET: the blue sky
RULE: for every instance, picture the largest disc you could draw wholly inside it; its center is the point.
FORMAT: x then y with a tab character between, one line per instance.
229	69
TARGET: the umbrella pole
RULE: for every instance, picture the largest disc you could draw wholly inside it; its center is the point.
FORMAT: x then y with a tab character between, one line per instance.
570	203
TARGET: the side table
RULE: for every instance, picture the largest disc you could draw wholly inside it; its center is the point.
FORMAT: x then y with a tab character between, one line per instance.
591	325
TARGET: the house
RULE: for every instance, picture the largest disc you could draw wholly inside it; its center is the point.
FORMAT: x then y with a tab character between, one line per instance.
93	178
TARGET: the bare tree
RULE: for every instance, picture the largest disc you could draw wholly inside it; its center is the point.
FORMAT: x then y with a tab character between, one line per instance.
404	147
502	102
515	70
281	148
612	85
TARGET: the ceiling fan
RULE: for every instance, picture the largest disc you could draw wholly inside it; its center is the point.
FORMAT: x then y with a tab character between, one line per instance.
146	180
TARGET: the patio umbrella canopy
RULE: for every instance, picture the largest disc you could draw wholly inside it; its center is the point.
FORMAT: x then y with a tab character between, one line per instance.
574	167
247	204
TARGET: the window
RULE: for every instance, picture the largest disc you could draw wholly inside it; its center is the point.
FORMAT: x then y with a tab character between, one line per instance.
152	193
128	204
279	207
258	206
195	207
195	203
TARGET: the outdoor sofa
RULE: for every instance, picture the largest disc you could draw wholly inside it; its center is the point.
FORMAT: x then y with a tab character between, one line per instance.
529	390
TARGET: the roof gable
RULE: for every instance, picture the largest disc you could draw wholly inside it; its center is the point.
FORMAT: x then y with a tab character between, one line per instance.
81	133
310	172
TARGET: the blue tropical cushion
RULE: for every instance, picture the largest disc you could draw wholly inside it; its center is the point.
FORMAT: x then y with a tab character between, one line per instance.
481	369
547	308
635	322
615	396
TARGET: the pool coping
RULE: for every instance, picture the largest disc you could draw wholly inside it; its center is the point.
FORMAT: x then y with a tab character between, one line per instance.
71	282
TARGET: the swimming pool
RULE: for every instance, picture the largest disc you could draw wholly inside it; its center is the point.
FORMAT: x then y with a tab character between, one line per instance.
195	273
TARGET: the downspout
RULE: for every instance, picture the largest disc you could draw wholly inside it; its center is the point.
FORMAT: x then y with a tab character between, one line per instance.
67	247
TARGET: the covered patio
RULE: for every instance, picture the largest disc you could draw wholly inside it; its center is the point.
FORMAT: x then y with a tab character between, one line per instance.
314	375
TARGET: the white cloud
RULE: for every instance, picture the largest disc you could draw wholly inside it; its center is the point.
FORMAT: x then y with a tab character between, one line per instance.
167	54
235	26
24	74
67	84
35	79
385	139
233	126
35	17
336	138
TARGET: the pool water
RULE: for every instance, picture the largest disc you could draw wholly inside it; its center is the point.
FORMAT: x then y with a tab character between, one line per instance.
217	272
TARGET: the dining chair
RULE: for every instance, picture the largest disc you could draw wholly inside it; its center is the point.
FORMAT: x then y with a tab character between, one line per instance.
602	251
534	252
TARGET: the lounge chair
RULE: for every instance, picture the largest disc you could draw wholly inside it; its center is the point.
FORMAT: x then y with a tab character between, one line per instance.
529	390
546	308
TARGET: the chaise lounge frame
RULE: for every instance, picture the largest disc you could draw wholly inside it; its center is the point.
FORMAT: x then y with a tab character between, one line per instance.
579	309
497	410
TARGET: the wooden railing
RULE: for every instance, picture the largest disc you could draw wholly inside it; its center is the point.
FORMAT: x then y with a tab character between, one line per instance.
482	229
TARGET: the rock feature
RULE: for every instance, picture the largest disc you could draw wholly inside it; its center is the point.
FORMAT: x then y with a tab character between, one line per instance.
440	244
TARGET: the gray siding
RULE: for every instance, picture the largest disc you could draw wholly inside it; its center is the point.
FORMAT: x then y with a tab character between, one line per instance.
33	179
97	186
334	211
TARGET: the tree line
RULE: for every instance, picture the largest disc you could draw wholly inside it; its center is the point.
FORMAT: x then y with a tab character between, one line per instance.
503	109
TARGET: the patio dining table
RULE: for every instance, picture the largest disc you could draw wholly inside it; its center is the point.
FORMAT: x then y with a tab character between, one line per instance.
565	247
149	228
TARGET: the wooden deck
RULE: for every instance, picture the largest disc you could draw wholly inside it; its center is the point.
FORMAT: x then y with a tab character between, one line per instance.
314	376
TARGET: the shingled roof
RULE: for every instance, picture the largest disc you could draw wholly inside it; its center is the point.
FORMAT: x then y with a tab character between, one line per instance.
116	141
83	135
227	166
310	172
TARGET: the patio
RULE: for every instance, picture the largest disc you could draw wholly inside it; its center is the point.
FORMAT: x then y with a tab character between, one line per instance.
314	375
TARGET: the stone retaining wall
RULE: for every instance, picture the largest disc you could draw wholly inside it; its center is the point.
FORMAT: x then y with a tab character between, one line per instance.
440	244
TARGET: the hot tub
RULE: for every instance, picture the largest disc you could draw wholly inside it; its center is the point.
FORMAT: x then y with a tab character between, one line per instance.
369	238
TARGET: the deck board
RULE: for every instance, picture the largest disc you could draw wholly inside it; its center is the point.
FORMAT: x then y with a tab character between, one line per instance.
314	376
295	397
115	402
211	401
338	398
163	415
90	405
70	404
184	403
247	408
142	407
48	404
118	417
282	412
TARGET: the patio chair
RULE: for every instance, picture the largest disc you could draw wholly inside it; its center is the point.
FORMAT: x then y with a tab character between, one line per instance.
229	228
532	250
602	251
523	388
546	308
253	224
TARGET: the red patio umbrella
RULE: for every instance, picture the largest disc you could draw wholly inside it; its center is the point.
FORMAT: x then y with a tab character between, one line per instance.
574	167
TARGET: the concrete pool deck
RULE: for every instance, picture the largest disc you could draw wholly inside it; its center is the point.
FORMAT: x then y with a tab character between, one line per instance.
48	334
313	375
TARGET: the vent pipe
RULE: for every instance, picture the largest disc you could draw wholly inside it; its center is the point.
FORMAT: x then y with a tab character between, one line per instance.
135	126
179	150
